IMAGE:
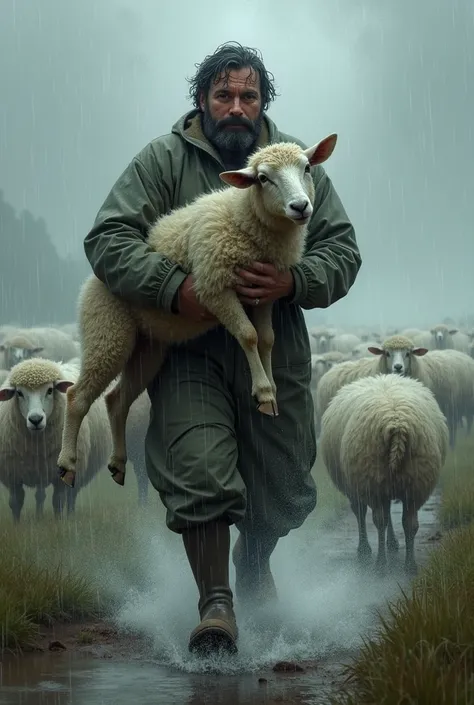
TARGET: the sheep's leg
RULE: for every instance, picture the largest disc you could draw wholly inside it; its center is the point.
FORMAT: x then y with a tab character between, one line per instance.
231	314
262	320
16	500
59	495
108	334
71	498
144	363
40	496
410	527
380	516
360	510
392	541
142	484
469	419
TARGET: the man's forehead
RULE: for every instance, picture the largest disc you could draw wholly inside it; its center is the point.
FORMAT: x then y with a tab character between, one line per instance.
237	77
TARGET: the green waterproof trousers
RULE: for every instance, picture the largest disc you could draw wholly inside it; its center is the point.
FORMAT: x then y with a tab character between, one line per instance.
211	454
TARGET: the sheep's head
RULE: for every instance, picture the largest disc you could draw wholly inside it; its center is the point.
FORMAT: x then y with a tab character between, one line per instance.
282	173
33	383
17	349
398	353
323	338
441	334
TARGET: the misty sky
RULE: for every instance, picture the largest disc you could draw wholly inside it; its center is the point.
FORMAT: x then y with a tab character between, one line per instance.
84	86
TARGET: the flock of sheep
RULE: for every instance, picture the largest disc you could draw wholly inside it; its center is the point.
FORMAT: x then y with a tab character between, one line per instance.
387	405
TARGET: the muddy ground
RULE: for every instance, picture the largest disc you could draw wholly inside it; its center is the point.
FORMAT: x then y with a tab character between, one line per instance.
94	662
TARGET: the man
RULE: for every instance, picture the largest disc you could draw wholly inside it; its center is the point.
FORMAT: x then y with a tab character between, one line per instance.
214	459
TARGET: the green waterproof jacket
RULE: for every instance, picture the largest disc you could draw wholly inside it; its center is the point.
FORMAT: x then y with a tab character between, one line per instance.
171	171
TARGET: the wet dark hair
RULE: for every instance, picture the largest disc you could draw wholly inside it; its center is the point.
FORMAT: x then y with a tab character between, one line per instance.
228	57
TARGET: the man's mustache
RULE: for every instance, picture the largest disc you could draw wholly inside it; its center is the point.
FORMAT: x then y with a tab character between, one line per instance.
234	122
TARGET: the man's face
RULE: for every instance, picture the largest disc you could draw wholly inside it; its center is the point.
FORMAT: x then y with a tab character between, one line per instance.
232	111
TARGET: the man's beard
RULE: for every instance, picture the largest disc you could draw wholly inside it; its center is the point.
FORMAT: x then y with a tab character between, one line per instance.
231	141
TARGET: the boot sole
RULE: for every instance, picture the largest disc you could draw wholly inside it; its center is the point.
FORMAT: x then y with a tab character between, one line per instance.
211	636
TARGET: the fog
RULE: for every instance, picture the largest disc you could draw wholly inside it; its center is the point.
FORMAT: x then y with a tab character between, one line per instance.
84	86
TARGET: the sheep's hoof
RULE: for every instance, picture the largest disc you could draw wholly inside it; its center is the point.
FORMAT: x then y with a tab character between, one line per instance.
393	546
67	476
269	408
118	476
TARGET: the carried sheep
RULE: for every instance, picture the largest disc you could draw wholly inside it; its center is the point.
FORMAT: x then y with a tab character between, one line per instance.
32	411
385	438
263	216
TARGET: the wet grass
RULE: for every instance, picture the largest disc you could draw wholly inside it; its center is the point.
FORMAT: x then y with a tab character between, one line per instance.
457	486
423	649
67	569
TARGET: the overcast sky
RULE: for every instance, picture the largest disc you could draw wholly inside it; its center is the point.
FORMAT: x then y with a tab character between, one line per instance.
84	86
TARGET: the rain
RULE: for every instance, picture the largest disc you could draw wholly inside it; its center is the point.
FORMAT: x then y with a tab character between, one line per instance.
108	599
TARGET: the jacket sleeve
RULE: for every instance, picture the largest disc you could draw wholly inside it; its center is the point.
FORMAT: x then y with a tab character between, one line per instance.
332	258
117	248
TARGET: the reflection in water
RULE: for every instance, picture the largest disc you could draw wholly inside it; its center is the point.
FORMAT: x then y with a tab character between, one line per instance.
59	679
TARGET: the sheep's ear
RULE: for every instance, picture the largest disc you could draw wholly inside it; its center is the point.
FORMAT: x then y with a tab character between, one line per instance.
240	178
375	351
321	151
419	352
62	385
7	393
453	331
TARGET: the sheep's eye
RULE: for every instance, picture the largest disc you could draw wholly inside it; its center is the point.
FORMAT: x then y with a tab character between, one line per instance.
50	391
307	169
19	393
262	178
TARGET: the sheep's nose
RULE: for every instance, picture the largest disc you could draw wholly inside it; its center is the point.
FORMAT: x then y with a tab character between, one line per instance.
299	206
35	419
398	367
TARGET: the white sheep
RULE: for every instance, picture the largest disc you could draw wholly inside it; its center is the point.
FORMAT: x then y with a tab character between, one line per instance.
448	373
321	339
49	342
263	216
448	337
32	411
320	364
344	342
384	438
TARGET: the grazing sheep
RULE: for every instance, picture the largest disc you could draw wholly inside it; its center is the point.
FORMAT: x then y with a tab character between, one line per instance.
32	410
448	373
25	343
263	216
384	438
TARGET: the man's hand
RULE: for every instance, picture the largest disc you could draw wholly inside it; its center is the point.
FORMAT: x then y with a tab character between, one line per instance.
187	304
264	282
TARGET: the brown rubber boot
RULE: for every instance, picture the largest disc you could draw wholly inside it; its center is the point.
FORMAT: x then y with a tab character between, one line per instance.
254	581
208	548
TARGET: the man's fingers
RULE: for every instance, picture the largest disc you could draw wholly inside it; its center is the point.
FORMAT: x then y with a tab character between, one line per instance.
254	278
251	293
